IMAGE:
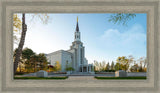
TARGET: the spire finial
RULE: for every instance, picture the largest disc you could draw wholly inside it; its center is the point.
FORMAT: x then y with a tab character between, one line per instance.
77	28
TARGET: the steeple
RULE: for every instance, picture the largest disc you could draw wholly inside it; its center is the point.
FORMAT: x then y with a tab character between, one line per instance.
77	27
77	33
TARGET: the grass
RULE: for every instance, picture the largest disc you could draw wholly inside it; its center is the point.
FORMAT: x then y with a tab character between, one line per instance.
120	78
40	78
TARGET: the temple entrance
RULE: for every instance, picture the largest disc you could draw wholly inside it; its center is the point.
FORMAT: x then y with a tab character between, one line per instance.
83	69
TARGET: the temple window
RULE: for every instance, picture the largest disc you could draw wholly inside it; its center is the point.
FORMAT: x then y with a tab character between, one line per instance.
67	62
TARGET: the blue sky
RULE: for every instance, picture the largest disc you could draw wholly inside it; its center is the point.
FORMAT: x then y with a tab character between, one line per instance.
103	40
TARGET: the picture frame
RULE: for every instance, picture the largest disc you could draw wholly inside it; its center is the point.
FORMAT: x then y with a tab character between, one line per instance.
8	84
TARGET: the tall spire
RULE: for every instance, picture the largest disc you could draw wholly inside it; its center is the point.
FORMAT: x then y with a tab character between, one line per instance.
77	33
77	27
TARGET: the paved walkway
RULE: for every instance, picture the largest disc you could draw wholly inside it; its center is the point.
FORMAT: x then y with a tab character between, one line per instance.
81	78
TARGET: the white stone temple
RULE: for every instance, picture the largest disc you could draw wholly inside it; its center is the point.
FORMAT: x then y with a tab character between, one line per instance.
74	57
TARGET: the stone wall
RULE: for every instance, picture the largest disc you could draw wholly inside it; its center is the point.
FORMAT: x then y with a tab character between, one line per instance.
131	74
55	56
62	57
66	57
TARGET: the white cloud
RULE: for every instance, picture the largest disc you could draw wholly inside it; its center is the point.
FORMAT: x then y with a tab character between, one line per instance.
123	43
133	38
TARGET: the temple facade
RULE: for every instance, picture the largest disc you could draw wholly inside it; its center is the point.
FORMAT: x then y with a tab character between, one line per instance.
74	57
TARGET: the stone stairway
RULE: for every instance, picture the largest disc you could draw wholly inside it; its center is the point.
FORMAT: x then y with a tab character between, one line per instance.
81	78
81	74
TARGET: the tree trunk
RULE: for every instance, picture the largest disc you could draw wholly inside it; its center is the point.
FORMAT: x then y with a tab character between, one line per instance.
21	43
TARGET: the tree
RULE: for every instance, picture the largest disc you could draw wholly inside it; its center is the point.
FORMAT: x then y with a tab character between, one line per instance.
20	46
142	62
20	62
102	66
43	64
33	62
134	68
27	53
26	56
17	24
58	66
51	68
117	66
121	18
145	63
112	66
14	53
99	66
107	66
37	62
131	59
124	62
21	67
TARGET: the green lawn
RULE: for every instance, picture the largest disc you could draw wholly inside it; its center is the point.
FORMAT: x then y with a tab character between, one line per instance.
37	78
120	78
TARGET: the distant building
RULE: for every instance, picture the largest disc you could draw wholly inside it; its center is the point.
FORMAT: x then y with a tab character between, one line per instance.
74	57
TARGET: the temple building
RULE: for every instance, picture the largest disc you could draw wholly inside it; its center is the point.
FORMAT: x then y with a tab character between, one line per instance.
74	57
